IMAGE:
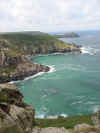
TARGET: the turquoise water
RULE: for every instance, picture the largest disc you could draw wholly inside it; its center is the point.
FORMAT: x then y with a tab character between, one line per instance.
74	87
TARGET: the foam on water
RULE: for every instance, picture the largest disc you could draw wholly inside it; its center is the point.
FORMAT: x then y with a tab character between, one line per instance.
87	50
52	69
42	116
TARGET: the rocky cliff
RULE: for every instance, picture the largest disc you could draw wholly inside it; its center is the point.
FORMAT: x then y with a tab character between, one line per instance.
14	66
15	115
31	43
15	47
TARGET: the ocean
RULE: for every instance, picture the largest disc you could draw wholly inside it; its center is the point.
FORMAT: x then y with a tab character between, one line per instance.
72	87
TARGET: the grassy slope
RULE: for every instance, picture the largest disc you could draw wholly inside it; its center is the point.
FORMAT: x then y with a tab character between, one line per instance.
34	42
68	123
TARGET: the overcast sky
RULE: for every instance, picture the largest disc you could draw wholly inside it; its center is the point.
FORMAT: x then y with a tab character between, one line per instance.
49	15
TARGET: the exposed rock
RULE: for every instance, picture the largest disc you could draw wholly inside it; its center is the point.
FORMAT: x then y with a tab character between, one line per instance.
96	118
7	124
82	127
7	59
50	130
5	107
10	94
85	128
16	67
15	115
23	116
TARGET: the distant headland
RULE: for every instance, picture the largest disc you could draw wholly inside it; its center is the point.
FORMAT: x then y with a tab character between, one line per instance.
67	35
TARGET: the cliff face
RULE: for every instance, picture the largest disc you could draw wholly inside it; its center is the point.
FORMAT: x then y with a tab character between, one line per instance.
15	115
32	44
15	46
14	66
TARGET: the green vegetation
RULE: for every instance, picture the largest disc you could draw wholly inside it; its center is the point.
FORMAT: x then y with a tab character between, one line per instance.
4	71
68	122
33	43
3	97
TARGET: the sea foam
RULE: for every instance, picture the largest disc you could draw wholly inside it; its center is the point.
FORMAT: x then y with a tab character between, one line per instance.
42	116
89	50
52	69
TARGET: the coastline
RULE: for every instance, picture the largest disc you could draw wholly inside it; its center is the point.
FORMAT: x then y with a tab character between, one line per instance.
51	69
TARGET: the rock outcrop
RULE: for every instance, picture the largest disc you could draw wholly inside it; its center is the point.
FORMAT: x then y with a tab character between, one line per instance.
50	130
14	66
15	115
96	118
15	47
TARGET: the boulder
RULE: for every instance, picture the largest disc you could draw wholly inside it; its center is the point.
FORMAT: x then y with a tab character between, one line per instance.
10	94
7	124
24	117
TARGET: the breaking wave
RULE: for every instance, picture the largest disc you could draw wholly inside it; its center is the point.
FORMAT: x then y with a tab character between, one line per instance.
52	69
89	50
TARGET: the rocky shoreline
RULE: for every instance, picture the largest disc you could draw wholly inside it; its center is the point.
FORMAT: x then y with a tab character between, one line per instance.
13	68
16	116
26	71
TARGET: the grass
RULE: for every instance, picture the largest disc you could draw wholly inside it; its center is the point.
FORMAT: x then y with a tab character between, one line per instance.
39	43
67	123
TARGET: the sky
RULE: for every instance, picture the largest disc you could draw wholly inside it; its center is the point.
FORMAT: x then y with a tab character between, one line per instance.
49	15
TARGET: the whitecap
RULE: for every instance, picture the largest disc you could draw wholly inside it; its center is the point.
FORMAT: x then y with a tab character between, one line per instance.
42	116
86	50
78	102
52	69
89	50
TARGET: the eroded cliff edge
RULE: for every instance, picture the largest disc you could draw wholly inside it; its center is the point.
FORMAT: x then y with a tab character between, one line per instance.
14	66
15	115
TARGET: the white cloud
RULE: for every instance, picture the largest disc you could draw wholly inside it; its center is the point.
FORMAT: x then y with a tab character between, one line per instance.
49	15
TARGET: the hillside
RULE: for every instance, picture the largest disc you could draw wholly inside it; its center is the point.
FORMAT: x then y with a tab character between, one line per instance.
15	47
31	43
